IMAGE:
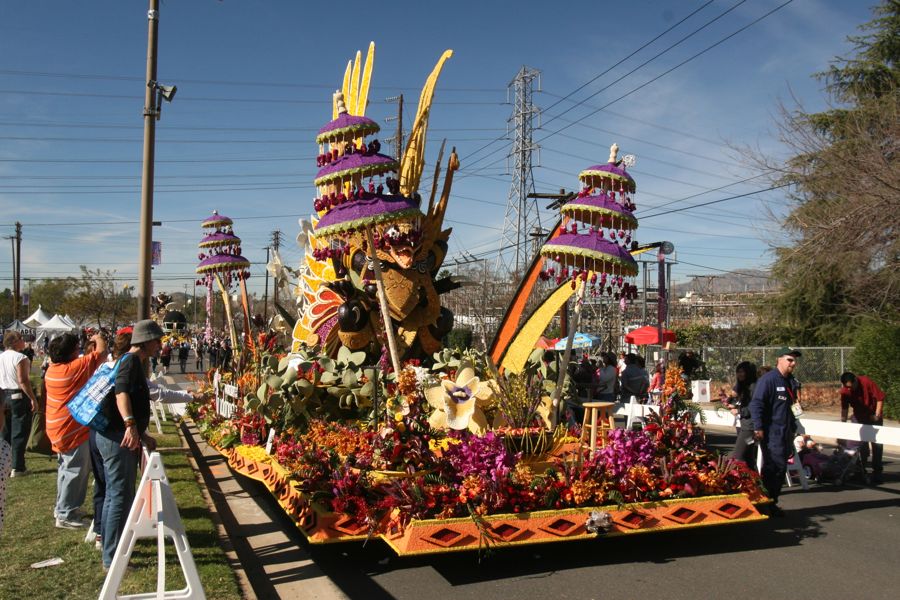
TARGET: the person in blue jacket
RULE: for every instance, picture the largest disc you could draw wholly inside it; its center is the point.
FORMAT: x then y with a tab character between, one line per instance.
774	423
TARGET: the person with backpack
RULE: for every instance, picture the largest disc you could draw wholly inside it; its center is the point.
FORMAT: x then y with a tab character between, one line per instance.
127	410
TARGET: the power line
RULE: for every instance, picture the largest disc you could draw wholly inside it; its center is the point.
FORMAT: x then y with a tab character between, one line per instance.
230	83
618	134
651	59
679	166
197	128
578	89
677	66
661	75
759	276
173	161
135	97
179	141
693	206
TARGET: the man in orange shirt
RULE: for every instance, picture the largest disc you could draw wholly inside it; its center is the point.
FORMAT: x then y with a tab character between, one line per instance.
65	377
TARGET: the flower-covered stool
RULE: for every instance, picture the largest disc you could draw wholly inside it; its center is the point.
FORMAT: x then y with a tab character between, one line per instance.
595	413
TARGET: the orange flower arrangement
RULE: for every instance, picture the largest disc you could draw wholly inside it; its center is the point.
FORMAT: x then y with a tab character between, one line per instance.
674	383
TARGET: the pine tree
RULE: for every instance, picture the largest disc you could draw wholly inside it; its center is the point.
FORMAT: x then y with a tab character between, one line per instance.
843	265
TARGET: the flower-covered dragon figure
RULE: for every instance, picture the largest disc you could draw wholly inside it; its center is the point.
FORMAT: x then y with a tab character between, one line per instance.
366	198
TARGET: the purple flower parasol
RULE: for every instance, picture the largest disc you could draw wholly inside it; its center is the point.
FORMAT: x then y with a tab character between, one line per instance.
216	220
221	263
608	171
346	125
590	252
218	239
359	214
600	211
351	164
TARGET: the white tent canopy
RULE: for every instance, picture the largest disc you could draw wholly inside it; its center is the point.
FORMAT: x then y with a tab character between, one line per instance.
68	321
37	318
53	328
18	325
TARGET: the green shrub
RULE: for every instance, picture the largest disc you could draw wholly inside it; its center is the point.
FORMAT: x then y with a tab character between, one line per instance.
459	338
875	355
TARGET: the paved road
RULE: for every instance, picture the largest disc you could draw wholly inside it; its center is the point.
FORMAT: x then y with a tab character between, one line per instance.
834	543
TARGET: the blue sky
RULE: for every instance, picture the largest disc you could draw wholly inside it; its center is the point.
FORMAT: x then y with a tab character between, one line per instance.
255	80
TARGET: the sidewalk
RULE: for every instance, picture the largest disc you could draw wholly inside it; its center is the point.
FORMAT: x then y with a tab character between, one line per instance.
269	563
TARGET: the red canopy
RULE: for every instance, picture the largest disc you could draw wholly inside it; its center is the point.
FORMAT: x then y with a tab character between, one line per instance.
546	343
644	336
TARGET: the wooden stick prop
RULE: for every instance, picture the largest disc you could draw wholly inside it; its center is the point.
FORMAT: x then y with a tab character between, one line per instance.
382	301
437	176
567	356
235	349
245	306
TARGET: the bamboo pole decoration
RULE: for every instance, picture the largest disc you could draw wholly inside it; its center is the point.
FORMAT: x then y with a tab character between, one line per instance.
382	301
235	349
248	332
567	356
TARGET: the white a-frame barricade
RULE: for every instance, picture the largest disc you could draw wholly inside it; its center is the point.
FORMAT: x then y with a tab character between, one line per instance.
154	514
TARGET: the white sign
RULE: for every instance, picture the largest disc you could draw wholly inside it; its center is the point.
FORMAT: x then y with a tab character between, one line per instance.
231	390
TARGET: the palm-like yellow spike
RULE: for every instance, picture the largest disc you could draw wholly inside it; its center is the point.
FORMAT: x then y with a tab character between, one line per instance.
354	85
366	80
413	161
345	88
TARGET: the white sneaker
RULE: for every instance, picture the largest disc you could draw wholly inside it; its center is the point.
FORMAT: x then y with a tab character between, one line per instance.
15	473
70	524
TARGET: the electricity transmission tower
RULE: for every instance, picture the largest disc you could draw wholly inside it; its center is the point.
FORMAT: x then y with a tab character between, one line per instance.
522	216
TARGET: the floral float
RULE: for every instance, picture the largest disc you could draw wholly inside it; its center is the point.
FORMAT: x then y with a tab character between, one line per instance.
221	262
375	287
593	250
380	432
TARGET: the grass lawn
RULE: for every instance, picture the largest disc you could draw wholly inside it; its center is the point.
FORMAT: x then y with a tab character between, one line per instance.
29	536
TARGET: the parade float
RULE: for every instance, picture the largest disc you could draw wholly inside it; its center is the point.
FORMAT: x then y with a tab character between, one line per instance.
221	263
375	430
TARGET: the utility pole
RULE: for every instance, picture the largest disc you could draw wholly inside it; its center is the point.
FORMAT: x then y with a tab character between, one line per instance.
644	264
266	293
150	116
397	140
521	214
276	244
18	292
16	243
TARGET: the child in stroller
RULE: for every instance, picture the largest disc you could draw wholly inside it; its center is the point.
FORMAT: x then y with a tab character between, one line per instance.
844	463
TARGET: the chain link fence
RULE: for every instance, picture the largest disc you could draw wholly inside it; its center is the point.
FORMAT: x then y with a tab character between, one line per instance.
817	365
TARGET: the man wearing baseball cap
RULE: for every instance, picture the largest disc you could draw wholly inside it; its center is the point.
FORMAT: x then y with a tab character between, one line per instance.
774	423
128	411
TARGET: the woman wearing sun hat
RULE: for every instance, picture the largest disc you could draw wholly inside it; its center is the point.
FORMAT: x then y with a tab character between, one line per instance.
128	411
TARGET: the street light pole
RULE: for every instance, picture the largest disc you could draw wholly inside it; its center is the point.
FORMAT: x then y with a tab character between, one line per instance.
150	112
266	294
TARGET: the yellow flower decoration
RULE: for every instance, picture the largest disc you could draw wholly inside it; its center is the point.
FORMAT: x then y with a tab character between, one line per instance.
458	404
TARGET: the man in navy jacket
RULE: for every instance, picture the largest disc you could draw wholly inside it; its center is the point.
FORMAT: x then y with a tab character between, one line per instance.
774	423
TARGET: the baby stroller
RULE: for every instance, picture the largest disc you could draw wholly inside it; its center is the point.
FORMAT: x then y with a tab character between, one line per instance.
845	464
